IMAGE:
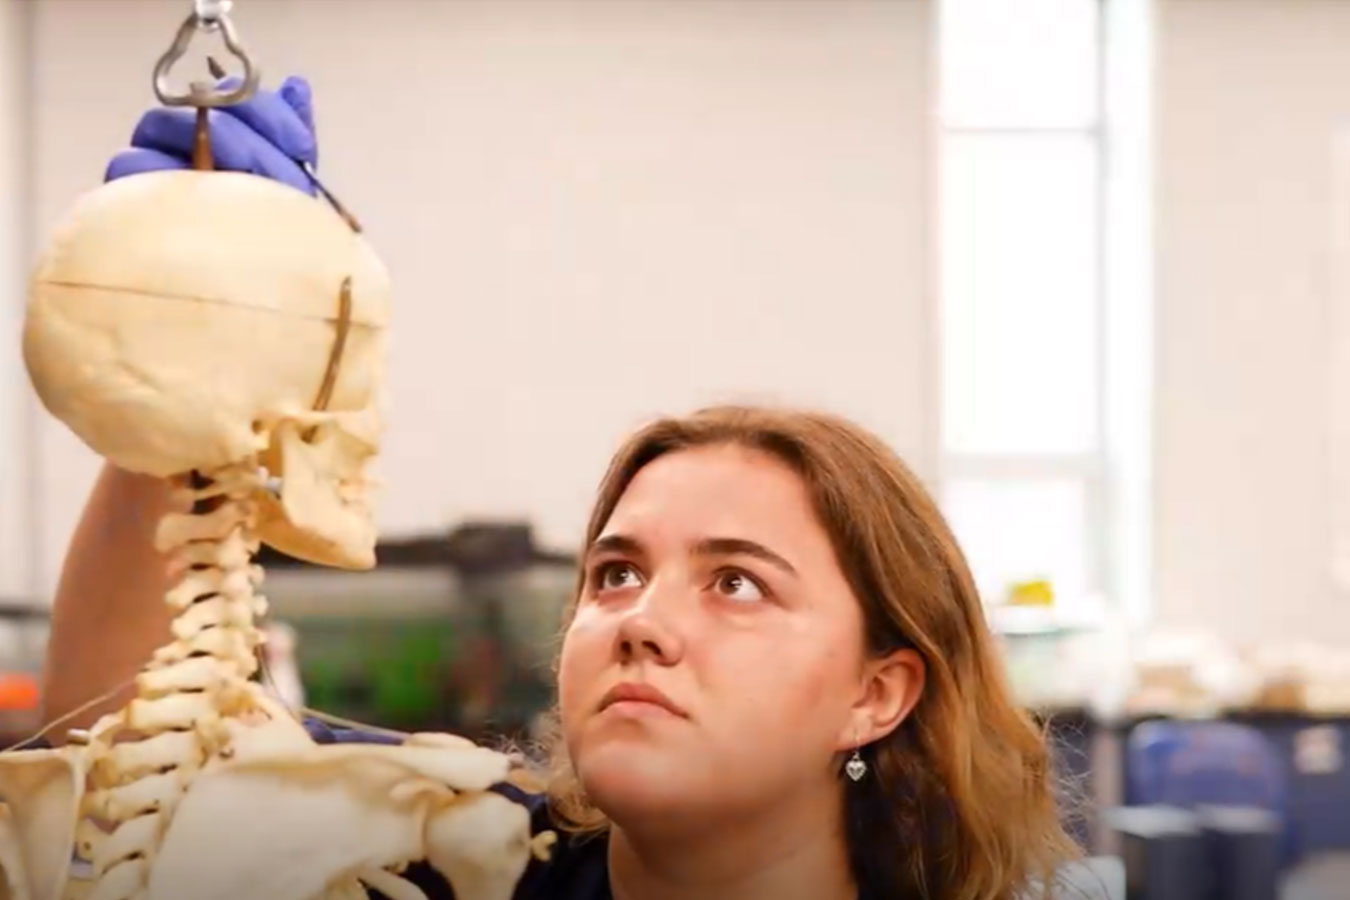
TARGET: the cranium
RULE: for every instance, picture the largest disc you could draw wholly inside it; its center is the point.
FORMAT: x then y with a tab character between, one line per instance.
245	319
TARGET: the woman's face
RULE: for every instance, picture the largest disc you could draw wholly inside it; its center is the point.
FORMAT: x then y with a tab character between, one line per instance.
715	661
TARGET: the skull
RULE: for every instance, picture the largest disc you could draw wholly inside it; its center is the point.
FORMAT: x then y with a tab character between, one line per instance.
185	320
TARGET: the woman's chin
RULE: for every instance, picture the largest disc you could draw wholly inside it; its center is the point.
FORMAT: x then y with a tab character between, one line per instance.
634	781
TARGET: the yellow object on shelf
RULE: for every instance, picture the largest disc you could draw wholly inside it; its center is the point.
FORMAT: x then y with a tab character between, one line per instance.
1031	593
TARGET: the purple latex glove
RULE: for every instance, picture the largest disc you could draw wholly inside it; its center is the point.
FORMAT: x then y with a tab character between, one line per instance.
270	134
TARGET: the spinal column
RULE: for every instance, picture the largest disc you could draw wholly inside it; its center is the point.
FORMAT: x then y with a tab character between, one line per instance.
145	754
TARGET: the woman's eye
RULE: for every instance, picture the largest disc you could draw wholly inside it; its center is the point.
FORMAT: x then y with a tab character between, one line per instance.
739	586
616	576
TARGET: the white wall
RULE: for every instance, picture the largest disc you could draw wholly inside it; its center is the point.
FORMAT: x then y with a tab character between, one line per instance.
16	409
595	212
1251	96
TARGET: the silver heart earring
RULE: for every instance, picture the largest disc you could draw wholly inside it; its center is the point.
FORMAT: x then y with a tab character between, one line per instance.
855	768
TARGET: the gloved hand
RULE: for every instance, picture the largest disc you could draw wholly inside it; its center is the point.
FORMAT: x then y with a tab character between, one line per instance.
269	134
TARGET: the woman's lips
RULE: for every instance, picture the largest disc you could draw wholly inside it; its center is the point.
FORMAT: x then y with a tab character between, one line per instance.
633	698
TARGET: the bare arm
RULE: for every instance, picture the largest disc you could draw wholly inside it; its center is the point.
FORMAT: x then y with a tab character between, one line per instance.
108	615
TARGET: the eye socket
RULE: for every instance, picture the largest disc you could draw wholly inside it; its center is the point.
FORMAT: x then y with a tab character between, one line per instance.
740	586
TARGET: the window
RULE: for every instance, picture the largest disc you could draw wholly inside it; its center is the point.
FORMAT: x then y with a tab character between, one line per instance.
1031	430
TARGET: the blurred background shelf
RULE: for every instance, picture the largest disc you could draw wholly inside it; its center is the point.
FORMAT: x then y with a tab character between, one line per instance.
447	633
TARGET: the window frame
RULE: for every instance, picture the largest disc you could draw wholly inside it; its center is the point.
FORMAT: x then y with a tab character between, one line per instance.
1091	469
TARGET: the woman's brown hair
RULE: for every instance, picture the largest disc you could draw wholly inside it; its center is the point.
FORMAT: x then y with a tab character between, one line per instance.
959	802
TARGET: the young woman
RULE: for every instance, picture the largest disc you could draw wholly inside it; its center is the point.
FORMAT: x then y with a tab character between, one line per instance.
775	679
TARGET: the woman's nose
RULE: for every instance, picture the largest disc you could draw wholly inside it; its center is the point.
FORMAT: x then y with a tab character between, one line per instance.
648	631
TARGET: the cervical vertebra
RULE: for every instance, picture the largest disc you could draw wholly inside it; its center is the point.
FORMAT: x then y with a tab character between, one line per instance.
144	756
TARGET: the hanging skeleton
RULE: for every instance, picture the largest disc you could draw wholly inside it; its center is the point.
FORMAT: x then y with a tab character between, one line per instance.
229	333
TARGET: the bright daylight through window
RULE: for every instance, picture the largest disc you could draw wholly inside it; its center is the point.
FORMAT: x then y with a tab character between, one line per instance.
1024	219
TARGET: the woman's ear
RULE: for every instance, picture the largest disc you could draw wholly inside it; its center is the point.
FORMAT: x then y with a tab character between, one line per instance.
891	687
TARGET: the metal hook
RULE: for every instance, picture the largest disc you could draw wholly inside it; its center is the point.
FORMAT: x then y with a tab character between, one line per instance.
210	17
208	12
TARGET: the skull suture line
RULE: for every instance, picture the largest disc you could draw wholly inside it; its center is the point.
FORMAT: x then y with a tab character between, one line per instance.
223	331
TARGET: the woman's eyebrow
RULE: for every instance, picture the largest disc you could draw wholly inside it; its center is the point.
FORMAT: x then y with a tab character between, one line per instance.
721	546
614	543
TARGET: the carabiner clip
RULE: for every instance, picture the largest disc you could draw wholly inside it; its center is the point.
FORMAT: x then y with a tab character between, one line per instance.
200	93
